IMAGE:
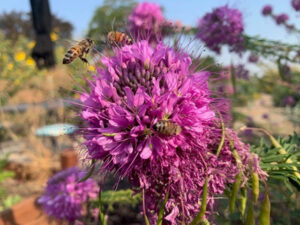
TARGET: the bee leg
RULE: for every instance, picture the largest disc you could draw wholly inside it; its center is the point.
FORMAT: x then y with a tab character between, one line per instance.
84	59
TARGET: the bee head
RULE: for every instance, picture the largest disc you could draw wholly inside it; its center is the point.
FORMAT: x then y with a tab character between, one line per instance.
90	41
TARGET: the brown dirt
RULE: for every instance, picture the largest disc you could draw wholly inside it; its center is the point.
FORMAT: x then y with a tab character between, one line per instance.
277	121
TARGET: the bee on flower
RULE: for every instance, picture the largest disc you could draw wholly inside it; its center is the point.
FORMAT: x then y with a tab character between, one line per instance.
149	117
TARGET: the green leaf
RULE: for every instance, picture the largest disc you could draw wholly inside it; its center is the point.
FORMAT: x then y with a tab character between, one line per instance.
162	209
6	174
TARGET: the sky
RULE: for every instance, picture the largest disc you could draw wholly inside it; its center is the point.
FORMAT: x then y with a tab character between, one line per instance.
80	12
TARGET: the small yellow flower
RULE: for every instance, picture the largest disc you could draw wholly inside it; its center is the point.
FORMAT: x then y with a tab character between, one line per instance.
20	56
53	36
30	62
76	96
91	68
17	81
31	44
10	66
256	95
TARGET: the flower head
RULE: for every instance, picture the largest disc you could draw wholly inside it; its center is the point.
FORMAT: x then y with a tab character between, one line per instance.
64	196
288	101
253	58
146	20
20	56
140	89
267	10
296	4
223	25
282	18
241	72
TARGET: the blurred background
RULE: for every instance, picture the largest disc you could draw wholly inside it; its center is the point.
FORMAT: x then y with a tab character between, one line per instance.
38	119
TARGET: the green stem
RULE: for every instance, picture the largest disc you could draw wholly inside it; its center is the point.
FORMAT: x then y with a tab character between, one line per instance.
91	171
223	134
202	211
101	214
144	209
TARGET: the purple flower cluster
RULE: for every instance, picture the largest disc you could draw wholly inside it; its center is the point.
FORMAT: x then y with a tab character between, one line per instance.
223	25
296	4
288	101
241	72
253	58
267	10
139	87
64	196
146	21
281	18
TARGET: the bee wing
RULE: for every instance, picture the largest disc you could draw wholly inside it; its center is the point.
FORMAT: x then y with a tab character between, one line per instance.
67	43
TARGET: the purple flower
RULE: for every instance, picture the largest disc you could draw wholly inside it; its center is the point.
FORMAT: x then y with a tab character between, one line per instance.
296	4
139	87
64	196
288	101
282	18
222	26
286	71
253	58
241	72
146	21
267	10
265	116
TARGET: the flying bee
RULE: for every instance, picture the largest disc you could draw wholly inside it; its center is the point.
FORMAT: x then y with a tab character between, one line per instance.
119	38
167	128
81	49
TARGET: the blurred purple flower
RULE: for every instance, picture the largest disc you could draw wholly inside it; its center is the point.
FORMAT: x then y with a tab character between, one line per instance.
222	26
288	101
253	58
265	116
267	10
282	18
286	71
64	196
146	21
296	4
241	72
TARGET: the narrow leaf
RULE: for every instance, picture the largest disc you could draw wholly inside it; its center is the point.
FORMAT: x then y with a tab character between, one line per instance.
162	209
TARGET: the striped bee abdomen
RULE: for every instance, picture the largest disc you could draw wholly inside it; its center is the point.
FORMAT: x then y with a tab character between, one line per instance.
167	128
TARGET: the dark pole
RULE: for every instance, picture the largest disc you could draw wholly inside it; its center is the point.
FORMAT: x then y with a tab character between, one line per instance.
42	52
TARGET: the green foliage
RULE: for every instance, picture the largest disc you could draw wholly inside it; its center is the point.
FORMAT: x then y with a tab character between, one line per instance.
121	197
16	24
272	49
9	201
111	16
281	166
6	201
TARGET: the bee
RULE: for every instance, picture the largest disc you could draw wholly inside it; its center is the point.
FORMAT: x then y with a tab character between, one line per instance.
120	38
81	49
167	128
